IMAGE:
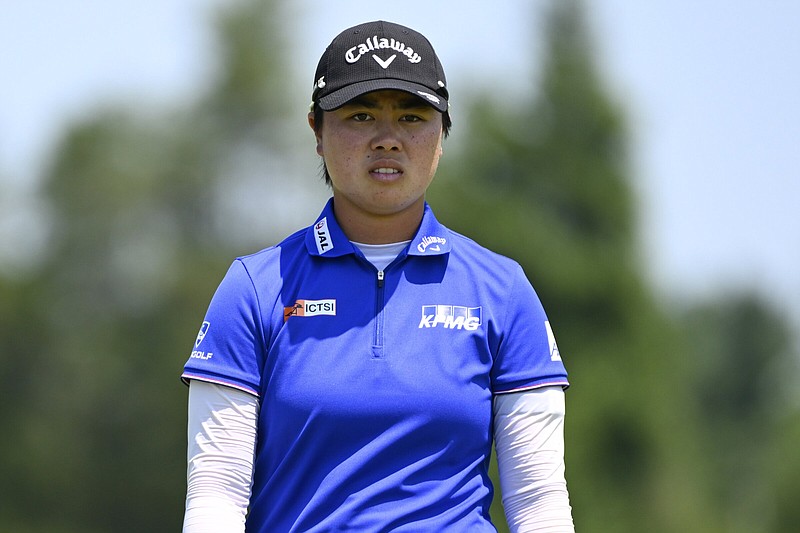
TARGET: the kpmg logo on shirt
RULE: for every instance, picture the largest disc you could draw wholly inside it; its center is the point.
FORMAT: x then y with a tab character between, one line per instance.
310	308
451	317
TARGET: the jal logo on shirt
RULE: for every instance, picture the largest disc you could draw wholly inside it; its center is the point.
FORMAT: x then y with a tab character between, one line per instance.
322	236
305	308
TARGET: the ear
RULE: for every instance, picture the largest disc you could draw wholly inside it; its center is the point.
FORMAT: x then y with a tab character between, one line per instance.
311	123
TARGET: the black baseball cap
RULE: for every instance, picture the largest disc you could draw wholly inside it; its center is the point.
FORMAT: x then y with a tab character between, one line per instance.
379	55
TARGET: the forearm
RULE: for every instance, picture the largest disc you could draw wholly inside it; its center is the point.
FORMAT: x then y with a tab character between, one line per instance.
222	435
529	438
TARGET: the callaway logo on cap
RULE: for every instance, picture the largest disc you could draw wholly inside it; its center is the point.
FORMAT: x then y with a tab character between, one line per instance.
379	55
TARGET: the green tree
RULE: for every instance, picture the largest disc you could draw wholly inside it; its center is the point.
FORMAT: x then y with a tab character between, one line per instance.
142	226
147	210
783	466
545	181
742	371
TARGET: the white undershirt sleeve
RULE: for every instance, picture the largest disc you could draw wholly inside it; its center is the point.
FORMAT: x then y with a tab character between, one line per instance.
529	438
222	438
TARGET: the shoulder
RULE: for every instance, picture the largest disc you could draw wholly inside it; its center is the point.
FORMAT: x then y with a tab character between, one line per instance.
272	256
466	249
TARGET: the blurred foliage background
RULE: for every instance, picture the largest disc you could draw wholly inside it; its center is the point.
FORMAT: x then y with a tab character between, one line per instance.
680	419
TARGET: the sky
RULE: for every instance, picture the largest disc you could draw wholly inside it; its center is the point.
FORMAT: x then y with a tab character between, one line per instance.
709	90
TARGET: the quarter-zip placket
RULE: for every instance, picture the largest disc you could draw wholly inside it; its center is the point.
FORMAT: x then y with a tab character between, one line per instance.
377	339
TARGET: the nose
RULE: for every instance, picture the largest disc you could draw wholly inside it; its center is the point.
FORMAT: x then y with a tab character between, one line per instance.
387	136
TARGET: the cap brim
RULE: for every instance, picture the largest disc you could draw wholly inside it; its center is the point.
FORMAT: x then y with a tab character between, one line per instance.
340	97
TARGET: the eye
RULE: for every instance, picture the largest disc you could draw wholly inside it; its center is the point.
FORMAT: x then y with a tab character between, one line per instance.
360	117
411	118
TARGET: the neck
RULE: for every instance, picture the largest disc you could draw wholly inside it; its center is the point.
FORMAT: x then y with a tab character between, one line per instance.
371	228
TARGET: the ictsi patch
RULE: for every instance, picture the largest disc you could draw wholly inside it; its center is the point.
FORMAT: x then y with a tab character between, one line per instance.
310	308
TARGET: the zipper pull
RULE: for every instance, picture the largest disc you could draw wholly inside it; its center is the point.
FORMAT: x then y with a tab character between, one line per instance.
380	278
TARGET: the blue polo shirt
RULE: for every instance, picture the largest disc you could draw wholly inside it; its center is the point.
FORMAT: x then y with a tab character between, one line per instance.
375	386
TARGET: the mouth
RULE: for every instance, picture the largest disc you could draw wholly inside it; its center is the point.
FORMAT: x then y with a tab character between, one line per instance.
384	172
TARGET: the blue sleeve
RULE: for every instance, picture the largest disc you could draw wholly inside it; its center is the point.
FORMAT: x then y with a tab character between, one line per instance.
229	348
528	355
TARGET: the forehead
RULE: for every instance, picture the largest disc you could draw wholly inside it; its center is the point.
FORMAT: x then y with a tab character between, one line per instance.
390	98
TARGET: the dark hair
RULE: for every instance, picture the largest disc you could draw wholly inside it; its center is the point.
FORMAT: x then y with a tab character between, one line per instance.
319	113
